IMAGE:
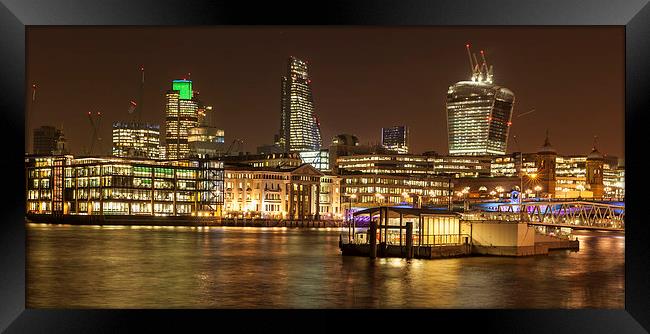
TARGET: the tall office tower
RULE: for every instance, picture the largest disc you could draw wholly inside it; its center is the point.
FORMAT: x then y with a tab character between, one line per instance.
479	113
136	139
45	139
299	128
181	110
395	139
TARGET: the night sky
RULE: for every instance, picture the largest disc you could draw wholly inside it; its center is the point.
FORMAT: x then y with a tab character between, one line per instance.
363	78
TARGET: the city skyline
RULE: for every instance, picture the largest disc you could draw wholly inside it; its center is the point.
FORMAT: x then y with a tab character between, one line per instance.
343	105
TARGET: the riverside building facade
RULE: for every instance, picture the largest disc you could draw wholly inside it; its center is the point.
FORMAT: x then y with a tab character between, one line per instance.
294	193
65	185
367	190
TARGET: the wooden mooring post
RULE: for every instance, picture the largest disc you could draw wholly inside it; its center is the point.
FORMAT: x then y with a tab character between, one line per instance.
373	239
409	240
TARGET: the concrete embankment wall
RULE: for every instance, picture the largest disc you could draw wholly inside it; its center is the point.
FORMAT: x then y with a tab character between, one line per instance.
174	221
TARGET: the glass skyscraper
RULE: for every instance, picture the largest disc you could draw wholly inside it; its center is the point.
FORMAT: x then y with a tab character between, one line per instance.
299	128
45	139
181	114
479	114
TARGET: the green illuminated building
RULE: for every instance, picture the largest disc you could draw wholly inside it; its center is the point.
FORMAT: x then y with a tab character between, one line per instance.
181	115
184	87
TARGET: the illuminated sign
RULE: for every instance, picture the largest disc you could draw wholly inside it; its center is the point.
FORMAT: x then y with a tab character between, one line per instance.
185	88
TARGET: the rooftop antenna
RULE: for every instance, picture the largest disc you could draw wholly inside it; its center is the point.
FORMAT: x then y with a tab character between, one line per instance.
595	143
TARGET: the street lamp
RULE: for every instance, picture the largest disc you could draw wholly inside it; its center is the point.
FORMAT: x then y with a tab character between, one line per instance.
580	189
406	196
379	198
499	190
537	190
464	193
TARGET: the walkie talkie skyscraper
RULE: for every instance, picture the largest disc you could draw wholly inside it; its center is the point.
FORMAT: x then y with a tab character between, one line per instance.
479	113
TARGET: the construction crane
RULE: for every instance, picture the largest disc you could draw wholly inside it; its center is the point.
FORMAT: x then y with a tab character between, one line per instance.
95	138
488	69
480	71
239	143
30	116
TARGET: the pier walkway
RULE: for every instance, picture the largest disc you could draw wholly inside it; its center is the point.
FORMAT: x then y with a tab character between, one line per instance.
572	214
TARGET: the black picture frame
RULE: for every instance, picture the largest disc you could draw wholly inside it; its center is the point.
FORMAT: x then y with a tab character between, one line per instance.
16	15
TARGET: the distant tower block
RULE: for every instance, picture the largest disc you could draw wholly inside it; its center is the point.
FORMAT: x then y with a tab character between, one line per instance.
545	164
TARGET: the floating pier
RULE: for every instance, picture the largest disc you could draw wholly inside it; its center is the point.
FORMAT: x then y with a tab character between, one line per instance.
429	234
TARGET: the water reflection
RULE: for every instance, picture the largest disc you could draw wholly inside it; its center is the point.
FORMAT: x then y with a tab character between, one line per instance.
227	267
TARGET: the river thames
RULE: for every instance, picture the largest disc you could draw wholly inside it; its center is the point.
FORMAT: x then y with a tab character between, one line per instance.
239	267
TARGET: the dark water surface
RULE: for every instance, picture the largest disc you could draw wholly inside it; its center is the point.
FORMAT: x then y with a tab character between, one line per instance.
231	267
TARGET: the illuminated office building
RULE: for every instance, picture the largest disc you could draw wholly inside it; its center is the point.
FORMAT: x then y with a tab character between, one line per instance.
411	164
511	164
344	145
65	185
395	139
181	114
206	139
479	113
386	189
299	128
272	160
319	159
136	139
